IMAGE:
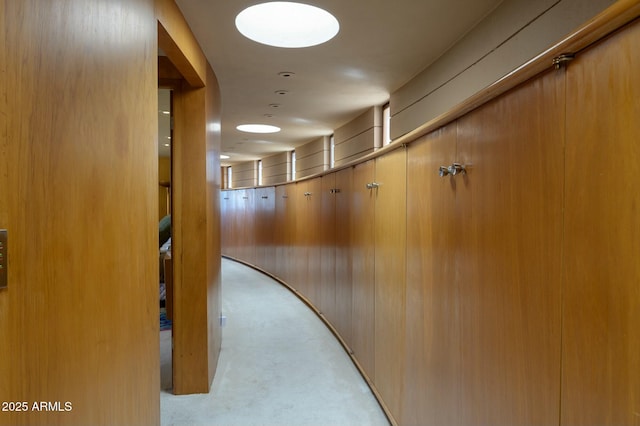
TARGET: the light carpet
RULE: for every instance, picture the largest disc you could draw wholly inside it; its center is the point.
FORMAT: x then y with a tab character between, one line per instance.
279	365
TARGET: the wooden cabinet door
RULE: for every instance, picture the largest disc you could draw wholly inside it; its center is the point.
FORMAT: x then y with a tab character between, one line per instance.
509	218
327	245
362	225
601	301
264	226
433	347
390	270
344	287
285	227
313	238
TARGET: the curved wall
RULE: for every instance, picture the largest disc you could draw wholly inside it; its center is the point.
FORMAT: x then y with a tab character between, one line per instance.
456	294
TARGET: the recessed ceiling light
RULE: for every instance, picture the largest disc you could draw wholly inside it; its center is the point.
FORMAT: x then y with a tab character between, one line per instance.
274	105
287	24
166	144
286	74
224	157
281	92
258	128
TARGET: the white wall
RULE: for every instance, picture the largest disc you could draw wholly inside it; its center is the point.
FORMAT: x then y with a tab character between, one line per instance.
514	33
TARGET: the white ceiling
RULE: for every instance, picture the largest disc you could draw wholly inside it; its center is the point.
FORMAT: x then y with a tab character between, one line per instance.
381	45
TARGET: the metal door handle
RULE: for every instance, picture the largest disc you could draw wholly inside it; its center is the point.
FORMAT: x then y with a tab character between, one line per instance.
373	185
457	168
454	169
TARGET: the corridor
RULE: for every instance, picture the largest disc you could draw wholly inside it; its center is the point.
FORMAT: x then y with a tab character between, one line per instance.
279	365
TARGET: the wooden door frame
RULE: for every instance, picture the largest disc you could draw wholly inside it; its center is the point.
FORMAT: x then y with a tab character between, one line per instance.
185	70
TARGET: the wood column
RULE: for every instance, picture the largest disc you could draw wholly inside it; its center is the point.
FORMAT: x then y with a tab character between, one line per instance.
78	182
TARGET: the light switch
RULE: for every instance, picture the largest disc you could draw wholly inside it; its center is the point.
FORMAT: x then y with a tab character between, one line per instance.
3	258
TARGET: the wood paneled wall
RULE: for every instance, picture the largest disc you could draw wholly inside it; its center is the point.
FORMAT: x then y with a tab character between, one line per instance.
601	302
506	294
78	179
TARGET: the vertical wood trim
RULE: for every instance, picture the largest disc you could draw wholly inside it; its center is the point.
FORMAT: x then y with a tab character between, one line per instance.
195	186
179	43
190	373
6	367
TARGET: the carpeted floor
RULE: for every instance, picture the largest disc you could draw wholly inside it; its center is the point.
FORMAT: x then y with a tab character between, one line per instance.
279	365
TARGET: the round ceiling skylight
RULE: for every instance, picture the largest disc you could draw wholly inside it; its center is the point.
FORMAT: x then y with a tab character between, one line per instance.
258	128
287	24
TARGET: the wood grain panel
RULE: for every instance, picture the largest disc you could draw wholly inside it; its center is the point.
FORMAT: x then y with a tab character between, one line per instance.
390	273
189	245
601	338
285	232
299	261
179	43
362	224
433	347
311	239
343	262
264	227
509	213
78	190
327	243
